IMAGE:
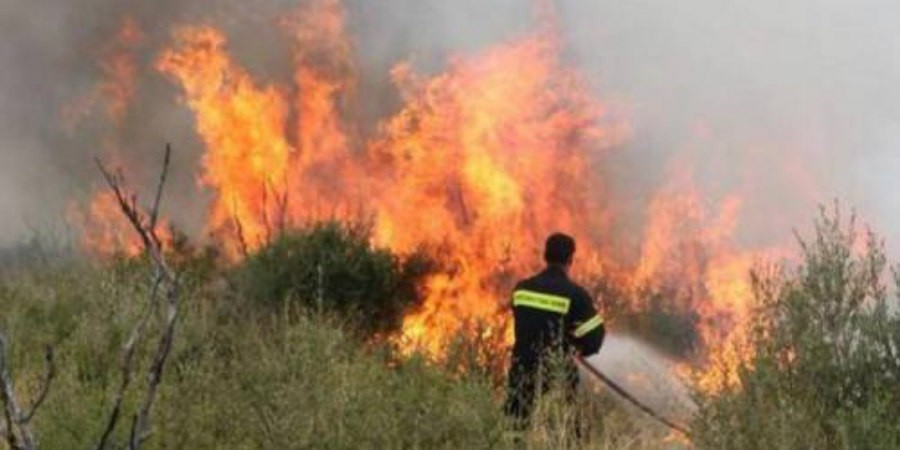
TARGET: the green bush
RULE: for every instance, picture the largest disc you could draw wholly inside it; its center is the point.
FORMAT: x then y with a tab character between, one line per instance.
826	370
293	381
658	312
333	267
672	332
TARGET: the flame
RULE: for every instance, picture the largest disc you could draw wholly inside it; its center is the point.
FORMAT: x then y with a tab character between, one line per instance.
326	176
242	125
486	157
103	228
106	231
120	70
117	87
690	255
324	74
477	165
264	180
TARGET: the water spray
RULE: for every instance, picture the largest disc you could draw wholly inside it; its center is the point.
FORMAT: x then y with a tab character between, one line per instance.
596	373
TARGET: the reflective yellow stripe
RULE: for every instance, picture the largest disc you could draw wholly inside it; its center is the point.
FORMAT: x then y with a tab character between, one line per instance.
588	326
544	302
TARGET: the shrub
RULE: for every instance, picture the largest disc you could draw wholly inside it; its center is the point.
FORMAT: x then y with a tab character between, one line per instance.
658	311
293	381
672	332
826	367
333	267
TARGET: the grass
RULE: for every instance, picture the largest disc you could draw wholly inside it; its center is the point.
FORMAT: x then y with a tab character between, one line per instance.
827	354
285	380
824	375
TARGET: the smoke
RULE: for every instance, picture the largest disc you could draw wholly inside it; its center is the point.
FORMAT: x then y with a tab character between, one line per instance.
786	103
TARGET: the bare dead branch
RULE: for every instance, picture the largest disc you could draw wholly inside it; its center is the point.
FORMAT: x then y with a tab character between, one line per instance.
145	226
49	375
140	426
12	413
282	201
127	364
460	197
8	433
239	230
132	435
3	434
265	213
7	397
154	211
274	226
127	203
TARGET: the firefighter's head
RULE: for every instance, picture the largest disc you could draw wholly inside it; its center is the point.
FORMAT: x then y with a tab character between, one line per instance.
559	250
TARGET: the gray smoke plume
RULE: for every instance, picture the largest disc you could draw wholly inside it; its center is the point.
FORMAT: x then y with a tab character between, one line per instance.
787	103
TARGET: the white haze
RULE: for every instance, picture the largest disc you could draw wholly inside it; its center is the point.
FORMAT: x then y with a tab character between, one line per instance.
647	375
788	103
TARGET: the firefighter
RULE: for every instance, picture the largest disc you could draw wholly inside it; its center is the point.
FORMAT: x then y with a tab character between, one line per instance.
552	316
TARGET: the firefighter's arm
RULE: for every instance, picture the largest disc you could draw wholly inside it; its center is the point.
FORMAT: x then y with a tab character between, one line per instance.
587	329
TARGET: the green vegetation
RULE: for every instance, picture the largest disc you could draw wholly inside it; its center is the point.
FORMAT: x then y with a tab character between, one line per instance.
294	378
332	267
268	356
827	363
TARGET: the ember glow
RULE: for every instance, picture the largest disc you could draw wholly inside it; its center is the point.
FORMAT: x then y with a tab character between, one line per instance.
478	164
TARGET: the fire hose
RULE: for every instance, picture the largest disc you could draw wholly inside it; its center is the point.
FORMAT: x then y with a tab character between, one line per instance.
630	398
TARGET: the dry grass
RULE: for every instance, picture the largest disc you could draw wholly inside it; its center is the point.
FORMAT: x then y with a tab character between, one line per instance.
288	381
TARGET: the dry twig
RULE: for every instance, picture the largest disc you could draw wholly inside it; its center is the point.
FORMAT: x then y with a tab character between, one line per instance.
239	230
15	426
49	375
145	224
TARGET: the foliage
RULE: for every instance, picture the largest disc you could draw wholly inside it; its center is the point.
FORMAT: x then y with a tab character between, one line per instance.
333	267
293	379
672	332
827	367
651	311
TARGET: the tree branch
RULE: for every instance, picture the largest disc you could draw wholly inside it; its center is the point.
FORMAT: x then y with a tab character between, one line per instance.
145	227
127	364
140	426
49	375
13	418
265	213
239	230
7	399
154	211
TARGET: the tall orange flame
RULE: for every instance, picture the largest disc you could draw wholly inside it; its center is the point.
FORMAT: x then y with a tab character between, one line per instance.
482	161
488	158
479	164
242	125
